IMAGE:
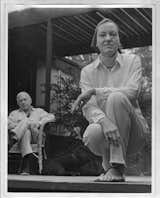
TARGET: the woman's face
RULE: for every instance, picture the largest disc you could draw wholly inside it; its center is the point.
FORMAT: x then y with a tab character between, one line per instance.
108	38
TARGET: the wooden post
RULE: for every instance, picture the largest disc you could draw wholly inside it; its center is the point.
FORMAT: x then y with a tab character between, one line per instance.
48	64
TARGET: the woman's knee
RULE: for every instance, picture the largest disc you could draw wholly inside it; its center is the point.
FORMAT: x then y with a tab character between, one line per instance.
117	98
94	139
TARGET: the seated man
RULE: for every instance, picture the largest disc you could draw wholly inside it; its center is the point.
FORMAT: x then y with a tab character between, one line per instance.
23	125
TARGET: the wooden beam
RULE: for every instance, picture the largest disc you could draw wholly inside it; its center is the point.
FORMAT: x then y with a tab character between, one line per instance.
48	64
134	20
73	26
67	32
33	183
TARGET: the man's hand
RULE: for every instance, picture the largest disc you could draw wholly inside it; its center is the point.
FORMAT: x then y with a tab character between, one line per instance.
32	125
82	99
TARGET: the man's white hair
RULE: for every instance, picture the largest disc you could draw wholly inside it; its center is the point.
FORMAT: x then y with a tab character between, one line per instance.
23	93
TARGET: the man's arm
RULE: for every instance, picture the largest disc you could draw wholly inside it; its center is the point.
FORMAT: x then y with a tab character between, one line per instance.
45	117
12	120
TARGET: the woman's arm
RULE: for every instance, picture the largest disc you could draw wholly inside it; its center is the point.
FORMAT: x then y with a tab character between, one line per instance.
133	84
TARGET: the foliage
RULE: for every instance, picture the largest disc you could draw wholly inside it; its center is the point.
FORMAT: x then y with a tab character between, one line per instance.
65	92
145	101
145	98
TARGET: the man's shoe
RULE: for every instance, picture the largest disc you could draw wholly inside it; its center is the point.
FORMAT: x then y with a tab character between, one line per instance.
29	164
24	173
25	167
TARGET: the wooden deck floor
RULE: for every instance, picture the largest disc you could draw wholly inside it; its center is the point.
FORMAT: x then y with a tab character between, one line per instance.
18	183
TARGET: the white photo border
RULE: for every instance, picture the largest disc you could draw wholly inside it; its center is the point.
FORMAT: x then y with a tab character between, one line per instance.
155	5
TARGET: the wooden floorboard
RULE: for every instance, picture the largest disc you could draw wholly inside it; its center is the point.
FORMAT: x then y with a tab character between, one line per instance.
18	183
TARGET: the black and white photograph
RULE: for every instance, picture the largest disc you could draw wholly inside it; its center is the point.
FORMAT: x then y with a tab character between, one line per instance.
80	83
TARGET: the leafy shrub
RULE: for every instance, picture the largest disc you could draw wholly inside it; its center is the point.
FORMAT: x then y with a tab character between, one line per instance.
65	92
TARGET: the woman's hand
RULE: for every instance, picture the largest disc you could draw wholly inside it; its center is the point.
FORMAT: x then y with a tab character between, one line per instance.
82	99
111	132
113	137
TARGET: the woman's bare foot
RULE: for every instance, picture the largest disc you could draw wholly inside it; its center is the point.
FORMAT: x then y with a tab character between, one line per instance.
113	174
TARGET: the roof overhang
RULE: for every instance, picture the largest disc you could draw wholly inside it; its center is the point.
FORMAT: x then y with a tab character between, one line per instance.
73	28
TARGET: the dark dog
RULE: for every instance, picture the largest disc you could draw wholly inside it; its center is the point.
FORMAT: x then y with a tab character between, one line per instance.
69	156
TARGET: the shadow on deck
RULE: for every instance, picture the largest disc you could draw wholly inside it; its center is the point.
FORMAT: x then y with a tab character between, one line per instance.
18	183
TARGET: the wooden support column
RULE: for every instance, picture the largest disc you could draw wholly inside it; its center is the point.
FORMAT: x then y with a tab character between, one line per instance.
48	64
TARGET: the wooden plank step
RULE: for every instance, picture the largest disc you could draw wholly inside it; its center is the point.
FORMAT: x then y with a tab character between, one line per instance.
18	183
